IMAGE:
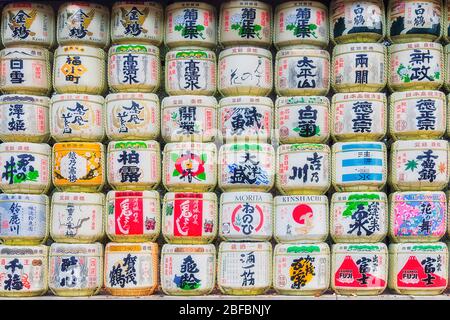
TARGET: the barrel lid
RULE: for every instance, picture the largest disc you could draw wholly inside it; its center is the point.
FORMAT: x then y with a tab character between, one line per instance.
114	194
131	96
6	250
91	249
359	196
23	146
303	147
412	248
43	198
419	144
134	48
359	146
245	246
296	4
302	248
359	47
130	247
120	145
296	52
419	94
170	196
310	199
298	100
414	45
38	100
190	4
188	249
187	100
77	97
344	97
83	50
358	248
79	197
238	50
240	100
172	146
249	196
259	147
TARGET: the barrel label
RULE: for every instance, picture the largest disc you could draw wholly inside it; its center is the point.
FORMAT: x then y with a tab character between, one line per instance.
360	271
421	271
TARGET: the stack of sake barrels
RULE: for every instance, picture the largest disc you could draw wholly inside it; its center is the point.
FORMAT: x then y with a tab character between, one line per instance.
78	157
25	157
419	153
189	174
246	163
358	208
134	156
302	82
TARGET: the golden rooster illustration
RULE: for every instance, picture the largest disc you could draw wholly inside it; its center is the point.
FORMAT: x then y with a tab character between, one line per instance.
129	18
21	22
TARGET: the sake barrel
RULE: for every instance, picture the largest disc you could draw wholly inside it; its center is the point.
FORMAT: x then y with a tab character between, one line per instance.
77	117
303	168
447	67
358	217
190	166
302	72
245	118
24	219
419	165
190	71
301	119
133	216
189	218
359	269
132	116
79	69
357	21
188	270
137	22
77	217
300	219
418	268
416	66
245	71
83	23
246	216
417	216
359	166
131	269
244	268
190	24
415	20
78	166
134	165
246	167
301	269
245	23
25	167
25	70
24	271
359	67
75	270
418	114
301	23
28	23
359	116
25	118
189	118
133	68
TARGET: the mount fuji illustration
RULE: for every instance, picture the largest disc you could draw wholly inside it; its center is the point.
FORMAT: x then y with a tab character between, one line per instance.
413	275
348	275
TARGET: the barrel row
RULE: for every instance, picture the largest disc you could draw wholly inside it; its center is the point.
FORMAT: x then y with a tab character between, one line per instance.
238	269
251	23
199	218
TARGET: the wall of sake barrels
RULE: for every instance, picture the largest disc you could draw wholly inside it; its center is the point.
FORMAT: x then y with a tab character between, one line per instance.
234	148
